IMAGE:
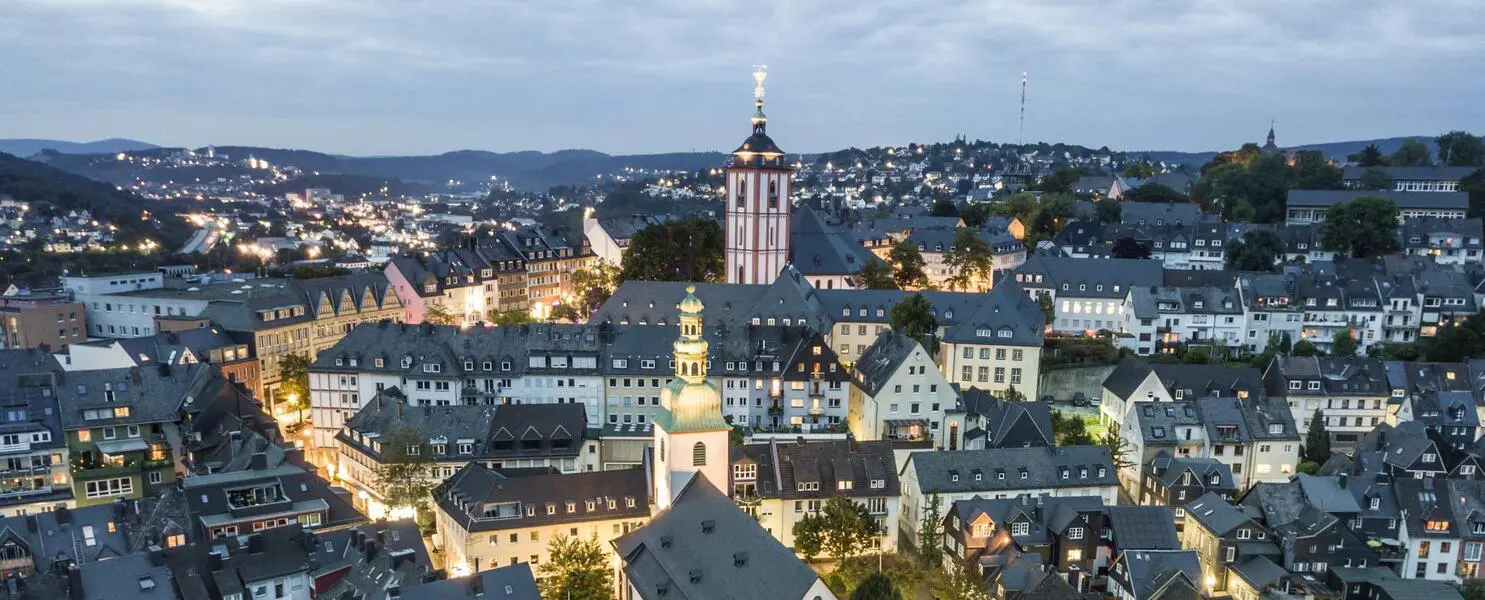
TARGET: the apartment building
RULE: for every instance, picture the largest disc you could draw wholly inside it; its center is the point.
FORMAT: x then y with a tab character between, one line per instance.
1353	392
33	450
899	393
780	482
997	347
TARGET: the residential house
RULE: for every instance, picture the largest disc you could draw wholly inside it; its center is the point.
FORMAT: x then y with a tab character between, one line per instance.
997	347
1069	535
984	421
1156	575
33	448
996	473
781	482
488	517
1352	391
1178	481
516	581
899	393
1445	241
1222	535
609	237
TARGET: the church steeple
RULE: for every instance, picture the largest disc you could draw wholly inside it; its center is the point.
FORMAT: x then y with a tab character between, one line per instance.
757	198
1270	134
690	434
758	150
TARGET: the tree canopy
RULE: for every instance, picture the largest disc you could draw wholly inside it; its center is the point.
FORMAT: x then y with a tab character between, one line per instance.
970	260
944	208
1361	228
1375	179
575	568
876	274
841	530
688	249
403	476
1108	211
1461	149
1370	156
1317	441
1343	344
1412	153
1258	250
909	266
594	285
1456	342
877	586
913	317
293	375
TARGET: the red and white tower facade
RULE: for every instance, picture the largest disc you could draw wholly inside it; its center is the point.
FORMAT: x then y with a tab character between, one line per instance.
757	203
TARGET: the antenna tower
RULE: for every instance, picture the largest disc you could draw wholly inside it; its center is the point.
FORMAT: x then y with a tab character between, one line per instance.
1021	128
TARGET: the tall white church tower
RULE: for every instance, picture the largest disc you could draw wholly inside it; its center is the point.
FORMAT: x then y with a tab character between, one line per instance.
690	433
757	203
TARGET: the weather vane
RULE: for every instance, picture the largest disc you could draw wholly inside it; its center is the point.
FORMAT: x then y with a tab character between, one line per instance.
759	73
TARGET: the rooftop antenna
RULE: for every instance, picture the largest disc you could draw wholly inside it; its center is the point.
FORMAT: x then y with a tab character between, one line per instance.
1021	129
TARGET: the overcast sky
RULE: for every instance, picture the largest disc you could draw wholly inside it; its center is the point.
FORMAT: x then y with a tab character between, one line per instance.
629	76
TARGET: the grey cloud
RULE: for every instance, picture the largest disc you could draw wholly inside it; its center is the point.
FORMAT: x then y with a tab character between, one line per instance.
377	76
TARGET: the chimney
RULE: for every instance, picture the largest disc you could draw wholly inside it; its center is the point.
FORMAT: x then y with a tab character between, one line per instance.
477	585
259	461
393	593
381	538
1341	479
800	440
213	561
255	543
74	583
399	410
370	552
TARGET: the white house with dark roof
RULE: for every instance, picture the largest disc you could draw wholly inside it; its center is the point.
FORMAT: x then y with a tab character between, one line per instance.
1311	206
781	482
1003	473
1088	295
898	393
997	347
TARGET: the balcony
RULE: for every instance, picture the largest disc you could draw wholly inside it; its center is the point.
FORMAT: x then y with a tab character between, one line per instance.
775	411
93	471
775	392
817	410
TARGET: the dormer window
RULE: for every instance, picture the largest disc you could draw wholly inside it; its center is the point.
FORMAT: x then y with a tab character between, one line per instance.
1429	457
1375	503
1313	385
432	368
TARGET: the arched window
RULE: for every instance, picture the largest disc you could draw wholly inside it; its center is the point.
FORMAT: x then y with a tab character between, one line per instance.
698	455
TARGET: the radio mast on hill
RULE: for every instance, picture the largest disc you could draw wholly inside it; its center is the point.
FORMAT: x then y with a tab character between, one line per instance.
1021	129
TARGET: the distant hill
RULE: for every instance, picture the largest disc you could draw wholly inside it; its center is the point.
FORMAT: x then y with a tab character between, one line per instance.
529	169
54	191
1333	150
25	148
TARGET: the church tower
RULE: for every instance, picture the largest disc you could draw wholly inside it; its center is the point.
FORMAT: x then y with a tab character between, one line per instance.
757	203
690	433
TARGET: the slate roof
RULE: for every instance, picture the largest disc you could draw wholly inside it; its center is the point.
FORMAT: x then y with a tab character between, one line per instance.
239	312
703	546
1008	315
782	466
375	558
1401	445
511	582
303	491
61	534
1158	213
501	431
1437	173
1046	516
1425	500
817	248
1084	278
246	559
1393	586
475	491
1157	575
1144	527
624	228
882	359
132	577
1216	514
1259	572
1169	470
1043	468
1003	418
1338	376
1403	200
1158	420
153	395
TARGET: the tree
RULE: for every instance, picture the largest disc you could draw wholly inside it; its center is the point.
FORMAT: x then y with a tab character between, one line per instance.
1361	228
1108	211
566	313
1375	179
1317	441
1020	206
1461	149
1127	247
876	274
1061	180
576	569
962	583
1473	589
436	314
688	249
841	530
975	215
1474	185
293	386
1139	170
1305	348
1343	344
970	260
877	586
913	317
1412	153
931	532
1258	250
1312	171
1051	215
944	208
402	473
1456	342
510	318
1044	300
1370	156
1119	449
909	265
594	285
1070	431
1154	192
1011	394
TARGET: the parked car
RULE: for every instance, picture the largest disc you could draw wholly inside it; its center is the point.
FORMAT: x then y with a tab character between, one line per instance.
1080	399
1047	398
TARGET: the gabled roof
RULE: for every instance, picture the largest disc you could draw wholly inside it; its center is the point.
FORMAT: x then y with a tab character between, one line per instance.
954	471
1144	528
883	358
704	547
1216	514
817	248
1403	200
782	466
1008	316
482	499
